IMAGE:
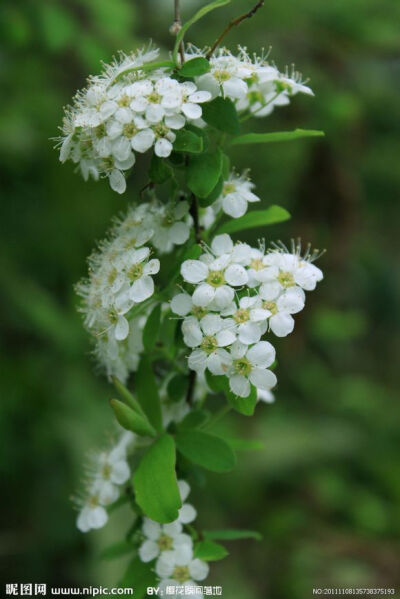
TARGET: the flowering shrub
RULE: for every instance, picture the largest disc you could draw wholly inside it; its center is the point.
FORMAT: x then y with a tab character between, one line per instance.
171	338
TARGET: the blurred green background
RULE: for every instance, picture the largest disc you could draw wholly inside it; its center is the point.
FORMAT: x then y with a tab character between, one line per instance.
325	491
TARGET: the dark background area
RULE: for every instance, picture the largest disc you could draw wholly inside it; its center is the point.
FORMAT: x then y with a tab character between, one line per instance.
325	490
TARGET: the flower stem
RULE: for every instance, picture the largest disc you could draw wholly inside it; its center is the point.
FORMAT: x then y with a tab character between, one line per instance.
194	211
191	386
232	24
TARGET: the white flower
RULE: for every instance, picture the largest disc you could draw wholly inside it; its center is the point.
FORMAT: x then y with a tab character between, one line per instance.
160	538
92	514
109	470
294	270
215	274
209	336
250	366
250	318
236	194
138	270
289	302
227	74
178	568
172	225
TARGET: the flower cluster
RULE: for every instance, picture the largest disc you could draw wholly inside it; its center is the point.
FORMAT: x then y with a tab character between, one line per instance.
127	109
121	276
251	82
172	548
108	470
238	293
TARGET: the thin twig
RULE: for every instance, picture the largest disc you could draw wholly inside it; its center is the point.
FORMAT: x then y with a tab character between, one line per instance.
191	386
194	211
176	27
232	24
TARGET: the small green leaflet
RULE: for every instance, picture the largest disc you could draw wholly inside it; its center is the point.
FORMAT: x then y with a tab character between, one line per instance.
147	393
209	551
131	420
203	449
149	66
198	15
127	396
231	534
195	67
154	482
203	172
151	328
243	405
187	141
256	218
261	138
214	195
221	114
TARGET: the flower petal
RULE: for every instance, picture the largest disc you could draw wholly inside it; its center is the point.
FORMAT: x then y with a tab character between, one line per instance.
194	271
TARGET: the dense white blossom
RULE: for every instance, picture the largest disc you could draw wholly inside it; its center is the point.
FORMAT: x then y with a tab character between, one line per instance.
253	83
124	111
121	277
259	292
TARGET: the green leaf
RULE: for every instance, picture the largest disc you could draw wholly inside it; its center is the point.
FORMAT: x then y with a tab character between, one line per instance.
192	253
195	67
232	534
147	393
205	450
149	66
159	171
256	218
198	15
243	405
214	195
177	387
261	138
209	551
128	397
187	141
151	328
131	420
117	550
138	576
195	419
203	173
200	133
221	114
155	484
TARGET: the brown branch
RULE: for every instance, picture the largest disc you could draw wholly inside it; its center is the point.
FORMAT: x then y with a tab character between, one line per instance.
176	28
194	211
232	24
191	386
